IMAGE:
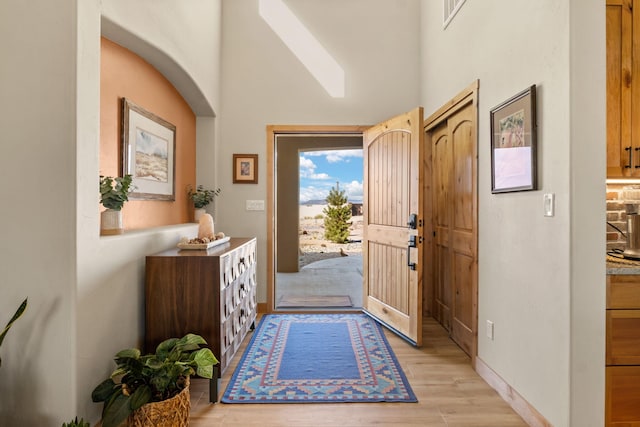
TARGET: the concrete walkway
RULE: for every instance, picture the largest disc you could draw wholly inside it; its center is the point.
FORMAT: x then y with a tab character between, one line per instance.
334	276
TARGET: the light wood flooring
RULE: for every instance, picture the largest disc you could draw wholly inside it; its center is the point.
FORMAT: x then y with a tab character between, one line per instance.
449	393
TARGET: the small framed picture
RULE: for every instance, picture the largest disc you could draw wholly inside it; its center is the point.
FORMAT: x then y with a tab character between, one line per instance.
513	143
148	153
245	168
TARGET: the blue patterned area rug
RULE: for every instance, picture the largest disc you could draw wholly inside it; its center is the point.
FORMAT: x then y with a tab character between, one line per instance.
312	358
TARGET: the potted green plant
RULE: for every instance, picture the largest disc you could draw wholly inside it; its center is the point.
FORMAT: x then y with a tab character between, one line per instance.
15	317
113	193
154	389
201	197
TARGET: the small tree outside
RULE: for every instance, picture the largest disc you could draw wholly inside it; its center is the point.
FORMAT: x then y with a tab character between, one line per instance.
337	216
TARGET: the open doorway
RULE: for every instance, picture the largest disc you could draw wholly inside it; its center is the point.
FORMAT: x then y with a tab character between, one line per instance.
328	272
302	273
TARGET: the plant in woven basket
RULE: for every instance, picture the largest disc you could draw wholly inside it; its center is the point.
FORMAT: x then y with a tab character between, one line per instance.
138	380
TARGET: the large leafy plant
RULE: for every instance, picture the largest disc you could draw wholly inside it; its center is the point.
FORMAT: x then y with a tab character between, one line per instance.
155	377
15	317
201	196
114	191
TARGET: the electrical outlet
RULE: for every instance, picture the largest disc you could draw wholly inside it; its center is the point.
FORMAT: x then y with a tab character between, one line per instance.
490	330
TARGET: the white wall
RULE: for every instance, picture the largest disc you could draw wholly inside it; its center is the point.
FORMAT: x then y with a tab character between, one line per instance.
37	220
85	292
375	42
588	214
534	272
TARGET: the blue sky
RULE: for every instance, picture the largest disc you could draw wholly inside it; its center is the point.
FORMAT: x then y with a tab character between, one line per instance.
320	170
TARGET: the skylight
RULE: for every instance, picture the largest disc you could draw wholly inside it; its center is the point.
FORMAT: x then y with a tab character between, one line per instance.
449	10
304	46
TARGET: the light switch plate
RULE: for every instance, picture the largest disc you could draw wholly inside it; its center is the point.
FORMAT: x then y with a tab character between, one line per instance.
549	204
255	205
489	330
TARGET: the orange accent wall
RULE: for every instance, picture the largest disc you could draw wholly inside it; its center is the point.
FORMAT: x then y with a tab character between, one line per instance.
125	75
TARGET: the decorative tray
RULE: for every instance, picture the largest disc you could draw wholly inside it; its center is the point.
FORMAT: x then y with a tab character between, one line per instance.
200	246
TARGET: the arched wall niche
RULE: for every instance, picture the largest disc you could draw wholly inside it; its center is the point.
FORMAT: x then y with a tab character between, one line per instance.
191	92
175	73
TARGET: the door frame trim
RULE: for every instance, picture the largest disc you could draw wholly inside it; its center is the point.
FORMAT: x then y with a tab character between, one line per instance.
271	132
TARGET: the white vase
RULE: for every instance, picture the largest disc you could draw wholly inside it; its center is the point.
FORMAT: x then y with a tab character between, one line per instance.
111	222
197	213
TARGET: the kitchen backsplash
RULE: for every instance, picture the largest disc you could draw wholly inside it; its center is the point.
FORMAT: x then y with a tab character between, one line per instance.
617	197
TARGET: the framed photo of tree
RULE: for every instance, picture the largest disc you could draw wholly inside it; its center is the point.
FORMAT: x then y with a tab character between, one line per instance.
513	143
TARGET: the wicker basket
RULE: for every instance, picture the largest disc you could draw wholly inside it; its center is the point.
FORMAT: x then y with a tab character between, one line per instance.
172	412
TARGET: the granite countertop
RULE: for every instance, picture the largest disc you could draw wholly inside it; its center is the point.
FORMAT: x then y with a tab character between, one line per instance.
622	266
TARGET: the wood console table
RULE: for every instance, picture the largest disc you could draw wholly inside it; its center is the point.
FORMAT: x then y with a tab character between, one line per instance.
211	293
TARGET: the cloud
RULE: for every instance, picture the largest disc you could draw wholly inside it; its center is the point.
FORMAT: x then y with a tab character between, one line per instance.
307	167
308	170
319	176
353	190
306	163
313	193
336	156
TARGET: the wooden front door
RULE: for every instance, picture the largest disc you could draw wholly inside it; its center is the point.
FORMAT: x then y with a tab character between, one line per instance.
451	140
393	217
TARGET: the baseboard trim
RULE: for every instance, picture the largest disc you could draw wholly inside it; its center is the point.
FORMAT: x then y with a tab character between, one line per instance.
518	403
262	307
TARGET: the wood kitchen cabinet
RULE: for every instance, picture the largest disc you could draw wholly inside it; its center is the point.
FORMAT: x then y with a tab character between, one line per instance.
623	88
622	372
210	292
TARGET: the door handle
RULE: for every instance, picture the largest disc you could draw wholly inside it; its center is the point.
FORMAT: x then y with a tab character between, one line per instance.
411	244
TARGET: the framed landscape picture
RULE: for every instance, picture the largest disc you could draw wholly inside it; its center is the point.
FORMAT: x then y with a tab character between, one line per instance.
245	168
513	143
148	153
